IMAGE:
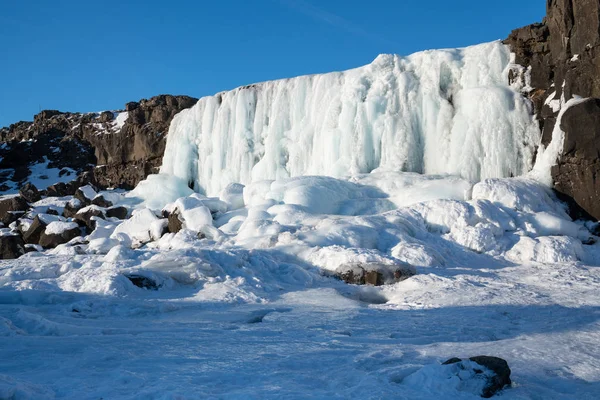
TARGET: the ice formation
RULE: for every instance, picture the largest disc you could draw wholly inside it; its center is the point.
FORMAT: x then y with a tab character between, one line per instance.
435	112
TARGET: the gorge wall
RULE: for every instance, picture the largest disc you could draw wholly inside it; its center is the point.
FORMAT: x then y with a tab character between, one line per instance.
563	53
110	148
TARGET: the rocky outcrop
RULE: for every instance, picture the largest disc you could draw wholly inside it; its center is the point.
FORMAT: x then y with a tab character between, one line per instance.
117	148
563	53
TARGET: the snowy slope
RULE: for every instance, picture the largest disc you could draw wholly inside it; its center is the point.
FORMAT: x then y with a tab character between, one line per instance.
444	111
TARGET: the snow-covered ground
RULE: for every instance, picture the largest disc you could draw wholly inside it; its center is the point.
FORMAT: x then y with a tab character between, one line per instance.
250	311
241	303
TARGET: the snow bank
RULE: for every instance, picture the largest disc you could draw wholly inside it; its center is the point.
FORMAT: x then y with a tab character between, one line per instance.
446	111
137	227
158	190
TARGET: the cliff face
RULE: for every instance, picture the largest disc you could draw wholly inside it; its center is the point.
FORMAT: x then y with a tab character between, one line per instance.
117	149
564	55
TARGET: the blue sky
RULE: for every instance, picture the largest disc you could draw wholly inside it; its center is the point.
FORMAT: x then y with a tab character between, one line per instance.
91	56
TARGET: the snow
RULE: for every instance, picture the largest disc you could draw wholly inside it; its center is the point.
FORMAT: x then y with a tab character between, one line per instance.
58	227
434	112
120	120
501	271
137	228
156	191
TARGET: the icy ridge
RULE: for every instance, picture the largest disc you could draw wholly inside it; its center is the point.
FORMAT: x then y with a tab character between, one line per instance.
436	112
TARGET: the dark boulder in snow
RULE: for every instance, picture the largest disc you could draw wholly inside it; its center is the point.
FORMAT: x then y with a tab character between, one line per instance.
59	189
119	212
11	246
142	282
30	193
33	234
85	216
85	194
174	225
58	233
71	208
101	201
12	204
373	273
496	380
11	217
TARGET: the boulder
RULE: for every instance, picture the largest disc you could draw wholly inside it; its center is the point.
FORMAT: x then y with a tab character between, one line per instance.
30	193
142	282
71	208
84	217
58	233
11	246
119	212
12	204
496	381
85	194
11	217
59	189
373	273
101	201
174	224
33	234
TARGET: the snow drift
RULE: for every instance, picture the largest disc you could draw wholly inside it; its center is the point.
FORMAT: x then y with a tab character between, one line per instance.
434	112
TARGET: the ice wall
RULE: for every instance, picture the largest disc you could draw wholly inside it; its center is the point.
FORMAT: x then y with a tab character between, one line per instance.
436	112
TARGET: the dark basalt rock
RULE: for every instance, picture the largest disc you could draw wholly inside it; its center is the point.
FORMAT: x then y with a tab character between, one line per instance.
101	201
80	195
84	218
373	274
174	223
71	208
30	193
76	143
142	282
498	366
11	217
117	212
33	234
10	205
49	241
564	55
11	246
60	189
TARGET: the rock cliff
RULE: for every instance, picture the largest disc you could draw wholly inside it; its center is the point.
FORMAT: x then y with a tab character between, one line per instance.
115	148
563	56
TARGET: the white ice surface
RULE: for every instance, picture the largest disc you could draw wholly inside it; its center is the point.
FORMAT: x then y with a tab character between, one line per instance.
435	112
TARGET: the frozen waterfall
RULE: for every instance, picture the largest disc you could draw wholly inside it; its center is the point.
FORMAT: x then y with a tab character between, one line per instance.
435	112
